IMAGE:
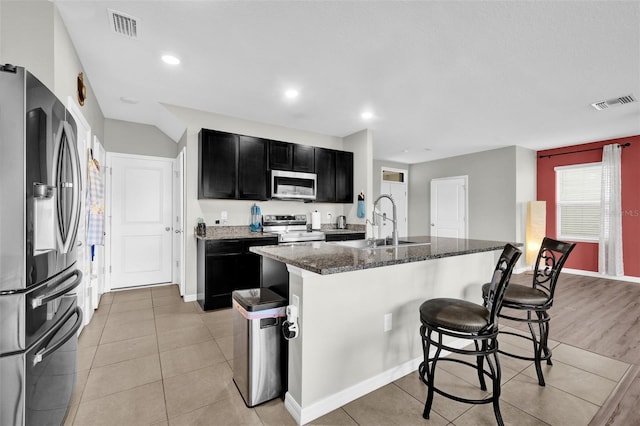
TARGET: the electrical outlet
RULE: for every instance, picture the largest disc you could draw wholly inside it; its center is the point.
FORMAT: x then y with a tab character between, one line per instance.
388	321
223	215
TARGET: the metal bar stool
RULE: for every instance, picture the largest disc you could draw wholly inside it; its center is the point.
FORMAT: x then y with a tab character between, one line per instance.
536	300
459	319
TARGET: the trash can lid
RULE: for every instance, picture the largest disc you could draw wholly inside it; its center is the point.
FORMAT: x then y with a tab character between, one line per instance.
258	299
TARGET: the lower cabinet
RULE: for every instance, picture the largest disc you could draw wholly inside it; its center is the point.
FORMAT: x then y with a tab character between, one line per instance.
344	236
225	266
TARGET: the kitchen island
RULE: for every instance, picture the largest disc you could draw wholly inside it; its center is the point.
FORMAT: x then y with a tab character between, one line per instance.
358	311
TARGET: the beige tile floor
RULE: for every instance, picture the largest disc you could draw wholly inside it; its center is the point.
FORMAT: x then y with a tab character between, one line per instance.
148	358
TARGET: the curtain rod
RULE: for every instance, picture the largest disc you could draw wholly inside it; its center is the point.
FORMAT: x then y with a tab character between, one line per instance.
581	150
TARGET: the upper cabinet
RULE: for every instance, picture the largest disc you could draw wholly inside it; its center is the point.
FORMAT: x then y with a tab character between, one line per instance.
252	168
291	157
231	166
217	164
335	176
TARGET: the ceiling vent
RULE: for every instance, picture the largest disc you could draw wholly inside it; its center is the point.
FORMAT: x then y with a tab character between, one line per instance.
123	24
613	102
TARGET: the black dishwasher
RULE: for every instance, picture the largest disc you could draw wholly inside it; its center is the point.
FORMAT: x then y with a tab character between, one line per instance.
225	265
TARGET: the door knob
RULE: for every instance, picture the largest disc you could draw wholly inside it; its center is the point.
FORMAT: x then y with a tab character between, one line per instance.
433	224
167	229
178	231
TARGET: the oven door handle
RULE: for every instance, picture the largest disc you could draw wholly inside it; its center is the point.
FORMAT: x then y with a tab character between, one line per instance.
46	298
48	350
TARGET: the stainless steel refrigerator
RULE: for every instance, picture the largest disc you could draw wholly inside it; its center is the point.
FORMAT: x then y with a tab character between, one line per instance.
40	189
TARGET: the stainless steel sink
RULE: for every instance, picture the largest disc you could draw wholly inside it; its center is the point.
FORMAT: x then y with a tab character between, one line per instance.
374	244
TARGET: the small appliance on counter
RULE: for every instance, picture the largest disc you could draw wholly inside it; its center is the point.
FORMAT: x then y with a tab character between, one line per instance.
315	220
341	223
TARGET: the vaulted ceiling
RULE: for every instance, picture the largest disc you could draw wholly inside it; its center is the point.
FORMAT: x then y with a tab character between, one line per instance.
440	78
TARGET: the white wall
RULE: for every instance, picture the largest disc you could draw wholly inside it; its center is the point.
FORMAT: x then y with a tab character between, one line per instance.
526	189
361	144
238	210
134	138
493	191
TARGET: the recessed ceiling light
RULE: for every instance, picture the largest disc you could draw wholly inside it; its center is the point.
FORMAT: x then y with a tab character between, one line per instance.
129	99
171	60
291	93
367	115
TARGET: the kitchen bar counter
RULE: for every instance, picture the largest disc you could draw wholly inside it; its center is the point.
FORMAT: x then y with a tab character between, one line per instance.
331	258
358	312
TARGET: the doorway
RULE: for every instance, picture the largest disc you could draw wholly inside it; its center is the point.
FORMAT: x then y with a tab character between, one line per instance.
394	182
449	207
139	205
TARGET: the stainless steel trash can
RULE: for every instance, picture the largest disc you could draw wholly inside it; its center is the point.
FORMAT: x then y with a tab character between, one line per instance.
257	320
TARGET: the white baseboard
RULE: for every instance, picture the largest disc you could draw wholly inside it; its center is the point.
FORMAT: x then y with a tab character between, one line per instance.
190	297
337	400
599	275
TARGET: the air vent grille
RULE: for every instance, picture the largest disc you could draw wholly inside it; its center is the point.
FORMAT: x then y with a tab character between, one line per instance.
123	24
613	102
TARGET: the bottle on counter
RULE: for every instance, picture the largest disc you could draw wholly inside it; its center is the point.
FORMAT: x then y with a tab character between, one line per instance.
255	223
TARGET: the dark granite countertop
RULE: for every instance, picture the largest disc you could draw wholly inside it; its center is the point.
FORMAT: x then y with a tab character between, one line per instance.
231	232
331	258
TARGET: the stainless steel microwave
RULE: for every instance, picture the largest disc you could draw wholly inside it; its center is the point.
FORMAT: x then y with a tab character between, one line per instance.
287	185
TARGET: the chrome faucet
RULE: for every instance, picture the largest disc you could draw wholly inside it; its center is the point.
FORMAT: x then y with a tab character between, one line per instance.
394	234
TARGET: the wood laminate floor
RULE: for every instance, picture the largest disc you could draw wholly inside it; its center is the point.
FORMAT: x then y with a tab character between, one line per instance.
601	316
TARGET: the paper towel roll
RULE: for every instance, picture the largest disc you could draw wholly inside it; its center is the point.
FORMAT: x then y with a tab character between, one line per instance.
315	219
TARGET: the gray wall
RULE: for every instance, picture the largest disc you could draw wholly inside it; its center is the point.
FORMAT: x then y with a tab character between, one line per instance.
133	138
494	212
33	35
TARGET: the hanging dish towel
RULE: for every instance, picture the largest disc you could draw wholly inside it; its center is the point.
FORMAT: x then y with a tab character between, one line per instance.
361	208
95	205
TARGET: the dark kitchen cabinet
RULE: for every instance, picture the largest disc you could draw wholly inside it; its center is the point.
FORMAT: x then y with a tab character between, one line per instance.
291	156
252	168
231	166
225	266
335	176
326	175
217	165
303	158
344	177
344	236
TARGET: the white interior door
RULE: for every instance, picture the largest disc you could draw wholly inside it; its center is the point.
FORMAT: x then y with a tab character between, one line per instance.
397	188
83	141
178	220
449	211
141	210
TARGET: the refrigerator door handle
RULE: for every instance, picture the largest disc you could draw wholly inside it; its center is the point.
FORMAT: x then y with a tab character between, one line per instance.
65	140
48	350
46	298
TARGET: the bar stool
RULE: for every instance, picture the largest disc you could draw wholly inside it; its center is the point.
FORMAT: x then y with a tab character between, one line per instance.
460	319
536	299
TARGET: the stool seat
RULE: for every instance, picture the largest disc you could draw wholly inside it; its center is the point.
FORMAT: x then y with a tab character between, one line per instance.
521	295
455	314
